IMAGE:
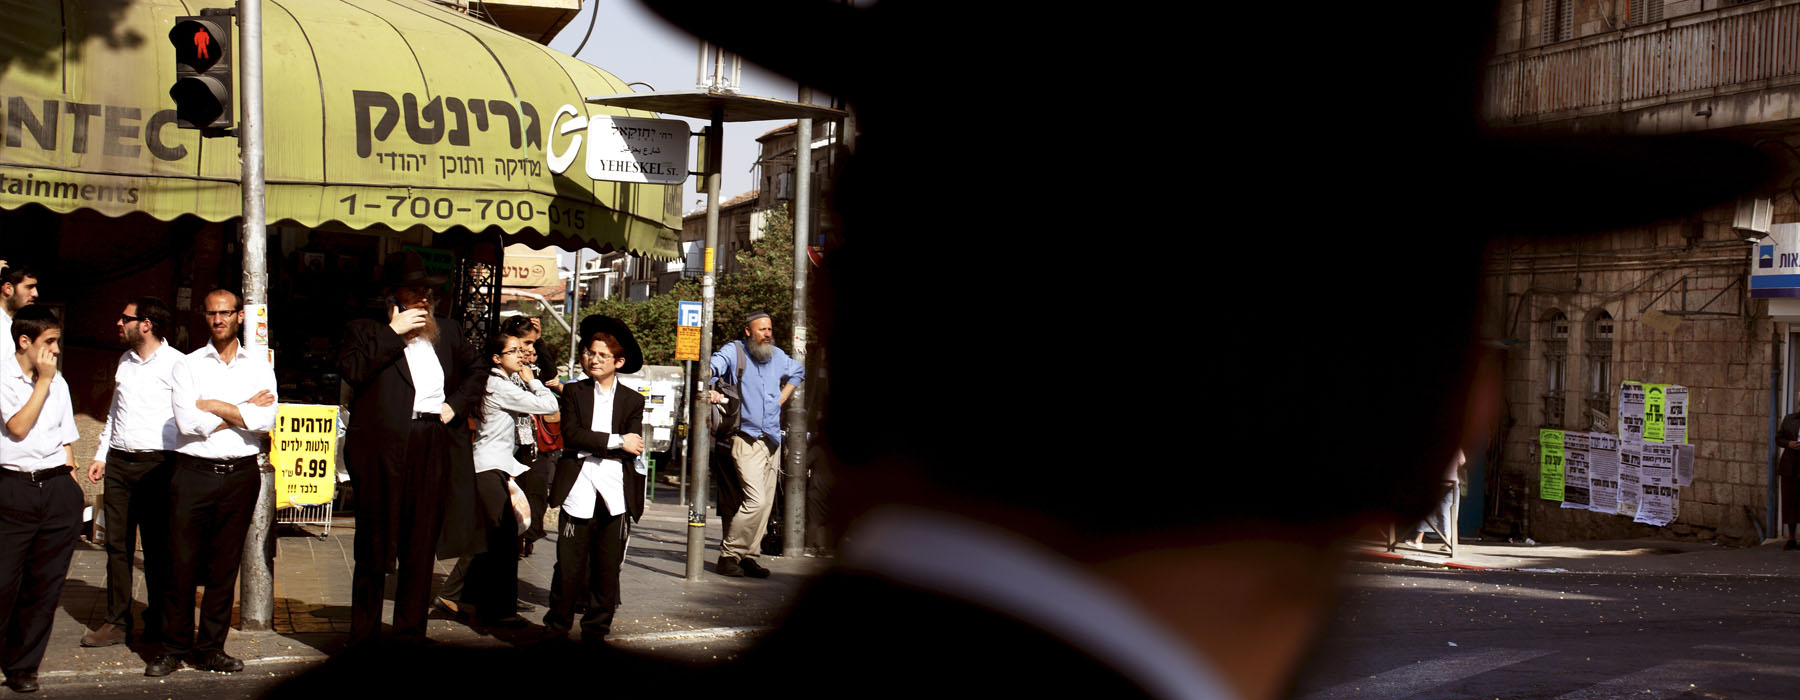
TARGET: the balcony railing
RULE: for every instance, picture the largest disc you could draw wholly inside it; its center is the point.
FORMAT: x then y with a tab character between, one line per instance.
1736	49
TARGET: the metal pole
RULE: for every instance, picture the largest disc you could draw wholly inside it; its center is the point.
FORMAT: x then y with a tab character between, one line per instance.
257	588
574	309
793	536
687	399
700	442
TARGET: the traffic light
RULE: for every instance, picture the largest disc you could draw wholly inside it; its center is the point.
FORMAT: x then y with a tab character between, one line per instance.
202	88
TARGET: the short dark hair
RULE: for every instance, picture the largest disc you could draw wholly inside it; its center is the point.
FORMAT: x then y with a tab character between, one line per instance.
31	322
517	326
156	312
15	273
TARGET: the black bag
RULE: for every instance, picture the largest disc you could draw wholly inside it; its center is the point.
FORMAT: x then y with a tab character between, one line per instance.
725	417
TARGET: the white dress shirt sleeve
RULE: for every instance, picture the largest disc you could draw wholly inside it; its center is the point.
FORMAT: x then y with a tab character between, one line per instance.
105	440
261	419
69	433
189	419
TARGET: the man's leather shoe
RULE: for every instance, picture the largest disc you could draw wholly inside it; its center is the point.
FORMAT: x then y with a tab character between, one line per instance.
753	569
23	683
729	567
108	635
217	661
523	606
161	666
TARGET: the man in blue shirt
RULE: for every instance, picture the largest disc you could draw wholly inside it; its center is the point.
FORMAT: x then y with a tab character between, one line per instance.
769	378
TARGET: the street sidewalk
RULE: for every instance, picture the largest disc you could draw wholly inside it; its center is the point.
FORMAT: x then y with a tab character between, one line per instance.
312	599
1635	556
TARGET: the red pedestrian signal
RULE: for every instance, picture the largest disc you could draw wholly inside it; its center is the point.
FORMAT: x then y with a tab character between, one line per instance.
202	89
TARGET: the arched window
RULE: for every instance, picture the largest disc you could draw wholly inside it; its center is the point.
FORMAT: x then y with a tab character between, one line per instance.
1556	355
1597	347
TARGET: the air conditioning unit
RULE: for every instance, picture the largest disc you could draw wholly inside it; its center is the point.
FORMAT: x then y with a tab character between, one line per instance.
1754	217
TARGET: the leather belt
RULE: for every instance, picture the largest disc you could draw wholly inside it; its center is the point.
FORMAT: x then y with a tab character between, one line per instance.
427	416
222	466
135	453
38	477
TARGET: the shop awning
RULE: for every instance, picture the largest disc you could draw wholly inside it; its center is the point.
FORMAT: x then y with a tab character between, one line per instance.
397	113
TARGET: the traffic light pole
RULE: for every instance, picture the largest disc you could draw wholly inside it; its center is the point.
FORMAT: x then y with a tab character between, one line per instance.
256	571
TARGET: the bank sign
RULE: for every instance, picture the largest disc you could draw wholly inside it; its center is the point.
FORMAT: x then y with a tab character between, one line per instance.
1775	264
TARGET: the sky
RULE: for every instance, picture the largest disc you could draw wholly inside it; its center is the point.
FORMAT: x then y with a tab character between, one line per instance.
635	44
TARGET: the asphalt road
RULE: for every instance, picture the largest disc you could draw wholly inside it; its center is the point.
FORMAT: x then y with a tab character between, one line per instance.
1407	632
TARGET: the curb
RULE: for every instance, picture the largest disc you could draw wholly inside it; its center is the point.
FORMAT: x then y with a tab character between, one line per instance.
1392	558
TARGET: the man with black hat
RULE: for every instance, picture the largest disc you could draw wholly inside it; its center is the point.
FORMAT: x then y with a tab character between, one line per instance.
416	382
766	377
595	483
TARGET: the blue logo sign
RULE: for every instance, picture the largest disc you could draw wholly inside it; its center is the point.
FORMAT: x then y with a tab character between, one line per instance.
1765	256
689	314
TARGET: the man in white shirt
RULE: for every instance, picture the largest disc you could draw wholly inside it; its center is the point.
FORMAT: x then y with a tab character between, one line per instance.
224	402
18	289
135	458
40	505
596	484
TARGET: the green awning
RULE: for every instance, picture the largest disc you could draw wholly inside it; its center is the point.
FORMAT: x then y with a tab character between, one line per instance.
398	113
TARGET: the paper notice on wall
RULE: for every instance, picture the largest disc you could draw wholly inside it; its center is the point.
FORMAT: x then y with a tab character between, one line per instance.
1631	457
1631	412
1657	505
1550	464
1684	465
1575	471
1603	473
1655	413
1676	427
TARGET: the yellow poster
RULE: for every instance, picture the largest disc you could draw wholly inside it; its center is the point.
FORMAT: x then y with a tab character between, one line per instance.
687	343
304	454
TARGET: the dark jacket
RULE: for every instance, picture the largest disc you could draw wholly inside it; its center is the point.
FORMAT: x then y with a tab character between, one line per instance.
372	359
579	441
1789	432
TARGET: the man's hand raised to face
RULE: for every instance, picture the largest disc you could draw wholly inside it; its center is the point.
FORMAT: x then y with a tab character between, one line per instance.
408	321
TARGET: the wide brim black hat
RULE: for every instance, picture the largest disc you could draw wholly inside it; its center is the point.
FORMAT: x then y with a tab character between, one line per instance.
597	323
407	269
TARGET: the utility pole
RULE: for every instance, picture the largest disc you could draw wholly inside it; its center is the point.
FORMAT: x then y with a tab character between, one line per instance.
700	440
793	535
257	586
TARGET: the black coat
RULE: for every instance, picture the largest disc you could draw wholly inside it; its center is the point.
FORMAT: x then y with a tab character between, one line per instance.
372	359
579	441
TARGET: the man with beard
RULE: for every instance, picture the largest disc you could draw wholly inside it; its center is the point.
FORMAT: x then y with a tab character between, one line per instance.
224	403
135	457
18	288
408	449
766	380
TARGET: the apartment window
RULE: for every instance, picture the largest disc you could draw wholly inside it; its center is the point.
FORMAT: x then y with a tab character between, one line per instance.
1597	346
1559	20
1556	356
1643	11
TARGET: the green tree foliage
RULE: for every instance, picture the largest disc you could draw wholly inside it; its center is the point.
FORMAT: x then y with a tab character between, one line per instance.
764	282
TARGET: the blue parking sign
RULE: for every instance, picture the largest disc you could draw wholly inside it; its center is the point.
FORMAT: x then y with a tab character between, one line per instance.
689	315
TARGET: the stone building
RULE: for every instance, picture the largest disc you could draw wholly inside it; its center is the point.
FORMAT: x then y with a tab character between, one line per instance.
1667	303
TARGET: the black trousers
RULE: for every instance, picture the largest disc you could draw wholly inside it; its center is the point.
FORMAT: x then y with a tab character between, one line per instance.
723	470
209	516
493	579
38	524
137	499
399	515
589	552
536	484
